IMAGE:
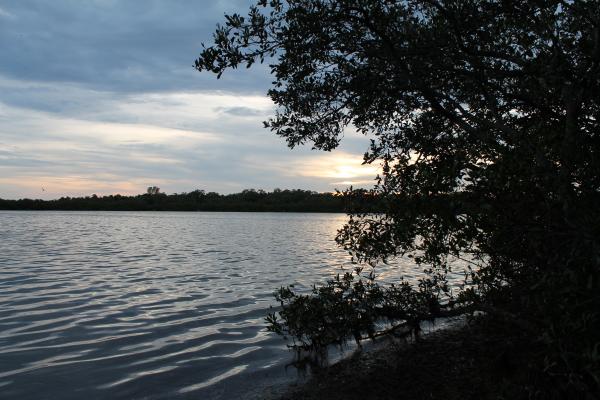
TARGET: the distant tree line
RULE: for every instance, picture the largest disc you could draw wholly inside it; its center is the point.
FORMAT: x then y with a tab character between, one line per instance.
296	200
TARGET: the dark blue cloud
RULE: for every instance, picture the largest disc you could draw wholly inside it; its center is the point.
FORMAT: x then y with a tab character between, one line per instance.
240	111
143	45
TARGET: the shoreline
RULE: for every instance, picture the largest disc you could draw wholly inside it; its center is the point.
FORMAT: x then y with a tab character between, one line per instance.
456	362
179	211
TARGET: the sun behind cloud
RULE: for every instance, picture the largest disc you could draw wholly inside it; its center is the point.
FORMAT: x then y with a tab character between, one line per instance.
344	168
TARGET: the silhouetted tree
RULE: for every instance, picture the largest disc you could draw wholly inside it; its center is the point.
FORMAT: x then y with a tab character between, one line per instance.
485	117
153	190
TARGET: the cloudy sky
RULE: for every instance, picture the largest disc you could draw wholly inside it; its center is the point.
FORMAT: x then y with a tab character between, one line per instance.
100	96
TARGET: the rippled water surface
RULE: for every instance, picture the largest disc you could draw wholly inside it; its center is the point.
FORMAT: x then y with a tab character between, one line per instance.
150	305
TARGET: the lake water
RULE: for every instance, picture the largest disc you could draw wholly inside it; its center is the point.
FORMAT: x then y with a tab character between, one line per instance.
153	305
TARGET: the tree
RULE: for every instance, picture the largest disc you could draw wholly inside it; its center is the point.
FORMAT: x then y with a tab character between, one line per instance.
485	117
153	190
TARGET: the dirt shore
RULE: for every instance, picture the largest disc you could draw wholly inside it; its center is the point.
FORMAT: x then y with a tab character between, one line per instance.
457	363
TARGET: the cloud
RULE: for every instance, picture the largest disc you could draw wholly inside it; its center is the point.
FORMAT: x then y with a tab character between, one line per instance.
335	170
78	141
6	14
50	186
124	46
101	97
240	111
338	165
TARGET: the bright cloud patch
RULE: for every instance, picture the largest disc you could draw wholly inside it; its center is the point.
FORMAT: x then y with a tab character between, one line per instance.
341	166
76	141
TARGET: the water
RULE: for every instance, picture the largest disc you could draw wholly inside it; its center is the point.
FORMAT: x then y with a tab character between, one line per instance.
153	305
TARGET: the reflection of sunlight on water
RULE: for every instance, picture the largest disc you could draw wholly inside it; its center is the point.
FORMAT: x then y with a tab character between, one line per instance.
137	375
212	381
135	304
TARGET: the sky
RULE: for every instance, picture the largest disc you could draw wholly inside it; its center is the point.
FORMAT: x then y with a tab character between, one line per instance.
101	97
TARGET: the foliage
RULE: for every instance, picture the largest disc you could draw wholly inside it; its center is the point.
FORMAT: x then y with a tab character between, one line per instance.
197	200
352	306
153	190
485	117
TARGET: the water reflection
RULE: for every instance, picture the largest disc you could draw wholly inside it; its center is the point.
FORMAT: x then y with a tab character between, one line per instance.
152	305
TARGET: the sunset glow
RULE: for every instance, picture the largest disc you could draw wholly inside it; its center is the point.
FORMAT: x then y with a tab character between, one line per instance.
121	124
341	167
